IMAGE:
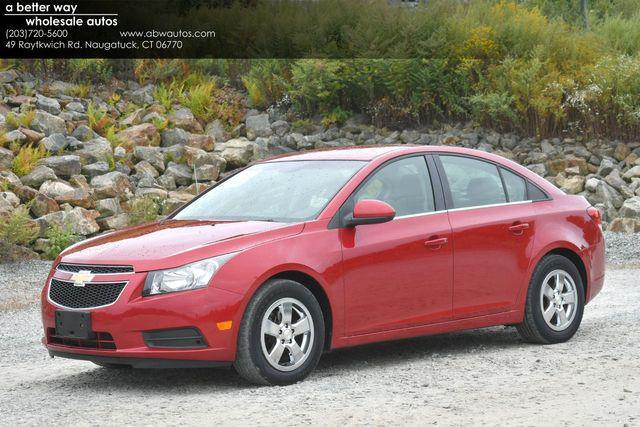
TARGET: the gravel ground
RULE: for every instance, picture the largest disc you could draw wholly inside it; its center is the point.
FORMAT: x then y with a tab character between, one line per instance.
486	376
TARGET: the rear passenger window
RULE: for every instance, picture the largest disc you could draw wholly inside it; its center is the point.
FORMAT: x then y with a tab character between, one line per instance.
516	186
472	182
403	184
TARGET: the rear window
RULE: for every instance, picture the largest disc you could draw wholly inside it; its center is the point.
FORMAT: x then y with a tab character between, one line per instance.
472	182
515	184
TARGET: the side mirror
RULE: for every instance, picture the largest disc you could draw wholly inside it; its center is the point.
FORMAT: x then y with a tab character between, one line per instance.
370	212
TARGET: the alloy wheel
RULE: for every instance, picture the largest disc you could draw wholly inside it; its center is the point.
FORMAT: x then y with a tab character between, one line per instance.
287	334
558	299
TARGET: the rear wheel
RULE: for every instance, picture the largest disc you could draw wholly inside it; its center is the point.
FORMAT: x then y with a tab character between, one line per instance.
281	336
555	302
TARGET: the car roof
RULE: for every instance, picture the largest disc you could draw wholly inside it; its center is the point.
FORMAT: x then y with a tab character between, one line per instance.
370	152
364	153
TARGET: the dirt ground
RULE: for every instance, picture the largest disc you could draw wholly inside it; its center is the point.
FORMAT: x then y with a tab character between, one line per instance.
482	377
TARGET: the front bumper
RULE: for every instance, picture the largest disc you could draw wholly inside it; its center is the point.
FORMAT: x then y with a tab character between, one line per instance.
125	321
138	362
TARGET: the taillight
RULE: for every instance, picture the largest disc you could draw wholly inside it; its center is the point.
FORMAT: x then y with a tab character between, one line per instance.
595	215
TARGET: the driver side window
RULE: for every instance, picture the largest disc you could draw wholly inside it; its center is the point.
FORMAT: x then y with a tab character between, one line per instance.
404	184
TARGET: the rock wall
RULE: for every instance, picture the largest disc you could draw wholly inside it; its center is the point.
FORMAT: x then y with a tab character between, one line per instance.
90	184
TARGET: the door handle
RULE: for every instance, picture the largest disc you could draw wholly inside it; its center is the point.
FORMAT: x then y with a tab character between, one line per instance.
436	243
519	228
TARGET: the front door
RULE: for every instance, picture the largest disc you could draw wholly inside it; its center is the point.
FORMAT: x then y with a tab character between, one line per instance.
398	274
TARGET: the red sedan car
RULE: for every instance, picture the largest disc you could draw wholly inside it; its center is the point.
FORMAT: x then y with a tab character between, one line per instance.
321	250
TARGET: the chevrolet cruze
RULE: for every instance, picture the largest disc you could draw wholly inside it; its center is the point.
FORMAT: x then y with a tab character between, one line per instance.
316	251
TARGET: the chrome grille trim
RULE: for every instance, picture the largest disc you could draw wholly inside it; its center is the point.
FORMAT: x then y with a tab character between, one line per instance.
96	269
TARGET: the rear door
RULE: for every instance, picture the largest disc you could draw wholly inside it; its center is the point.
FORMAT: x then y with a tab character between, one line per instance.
493	230
398	274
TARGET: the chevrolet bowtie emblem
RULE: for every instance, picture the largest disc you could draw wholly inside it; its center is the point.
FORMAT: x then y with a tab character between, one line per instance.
81	278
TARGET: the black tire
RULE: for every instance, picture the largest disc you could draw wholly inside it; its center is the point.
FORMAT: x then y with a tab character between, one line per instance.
250	362
534	328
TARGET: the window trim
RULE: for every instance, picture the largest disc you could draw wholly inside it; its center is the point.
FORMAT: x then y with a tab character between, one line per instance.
447	191
338	219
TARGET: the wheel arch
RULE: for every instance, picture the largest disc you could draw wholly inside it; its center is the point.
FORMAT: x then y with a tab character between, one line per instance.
314	286
572	254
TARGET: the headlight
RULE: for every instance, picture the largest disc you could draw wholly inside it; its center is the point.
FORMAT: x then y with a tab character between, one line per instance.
191	276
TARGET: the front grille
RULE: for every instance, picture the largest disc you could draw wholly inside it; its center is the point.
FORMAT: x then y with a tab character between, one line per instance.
96	269
88	296
100	340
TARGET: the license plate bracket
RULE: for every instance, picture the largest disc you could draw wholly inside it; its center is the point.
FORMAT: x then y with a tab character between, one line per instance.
74	324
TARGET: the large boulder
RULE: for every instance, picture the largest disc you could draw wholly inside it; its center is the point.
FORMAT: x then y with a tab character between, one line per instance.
175	200
144	168
605	194
38	175
181	173
573	184
622	150
142	96
6	158
153	155
59	88
115	222
215	129
196	157
8	201
631	208
78	197
63	166
624	225
84	133
174	136
258	126
48	123
237	152
144	134
268	147
50	105
52	219
55	189
82	221
108	207
8	76
95	169
96	150
42	205
112	184
15	136
54	143
204	142
184	118
634	172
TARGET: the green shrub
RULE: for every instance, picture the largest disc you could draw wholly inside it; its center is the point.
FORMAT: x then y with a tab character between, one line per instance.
90	70
27	158
198	99
18	228
266	82
59	239
336	117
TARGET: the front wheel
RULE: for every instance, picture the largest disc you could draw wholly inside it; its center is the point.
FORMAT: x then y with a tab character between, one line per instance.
281	335
555	302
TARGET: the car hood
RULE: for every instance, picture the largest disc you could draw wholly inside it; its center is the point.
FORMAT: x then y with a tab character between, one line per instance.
171	243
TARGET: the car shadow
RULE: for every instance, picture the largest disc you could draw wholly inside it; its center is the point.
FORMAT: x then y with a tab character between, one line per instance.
372	356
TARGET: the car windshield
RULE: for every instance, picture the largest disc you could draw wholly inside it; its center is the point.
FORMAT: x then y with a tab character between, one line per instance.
286	191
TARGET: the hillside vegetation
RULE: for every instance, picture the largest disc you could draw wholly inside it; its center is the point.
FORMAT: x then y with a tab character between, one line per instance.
528	66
